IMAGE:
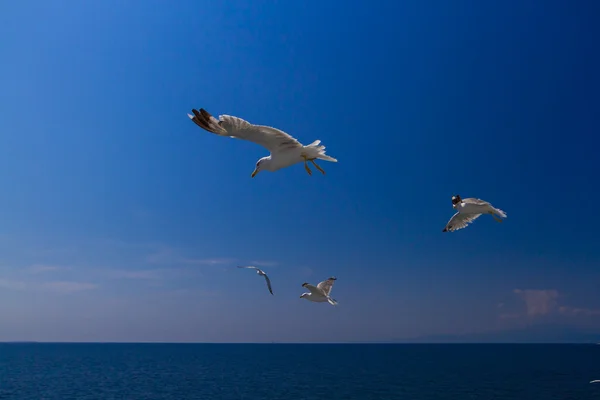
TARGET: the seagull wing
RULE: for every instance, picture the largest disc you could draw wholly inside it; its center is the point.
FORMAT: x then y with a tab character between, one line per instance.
272	139
460	221
313	289
472	200
261	272
326	285
268	282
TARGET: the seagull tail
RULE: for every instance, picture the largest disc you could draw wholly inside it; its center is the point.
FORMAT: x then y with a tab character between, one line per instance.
500	212
331	301
320	151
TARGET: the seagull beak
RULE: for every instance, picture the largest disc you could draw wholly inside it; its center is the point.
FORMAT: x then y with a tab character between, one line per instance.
254	172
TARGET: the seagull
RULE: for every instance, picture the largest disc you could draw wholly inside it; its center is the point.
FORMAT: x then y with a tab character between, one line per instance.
285	150
468	210
320	293
595	381
261	273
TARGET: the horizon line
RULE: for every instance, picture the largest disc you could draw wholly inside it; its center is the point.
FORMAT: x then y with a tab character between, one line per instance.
300	343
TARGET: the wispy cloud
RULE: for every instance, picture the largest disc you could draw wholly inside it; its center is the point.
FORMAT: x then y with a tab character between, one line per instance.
163	255
191	292
208	261
14	285
63	287
41	268
154	276
572	311
265	263
170	256
543	303
146	274
68	287
538	302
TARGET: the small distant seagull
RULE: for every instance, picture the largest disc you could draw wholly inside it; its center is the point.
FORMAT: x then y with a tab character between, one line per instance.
262	273
285	150
320	293
468	210
595	381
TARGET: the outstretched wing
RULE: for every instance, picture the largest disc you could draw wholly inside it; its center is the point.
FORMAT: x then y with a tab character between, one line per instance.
326	285
247	266
313	289
272	139
260	272
472	200
268	283
459	221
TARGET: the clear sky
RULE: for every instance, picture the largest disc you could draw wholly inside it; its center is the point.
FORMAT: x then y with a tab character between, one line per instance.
121	220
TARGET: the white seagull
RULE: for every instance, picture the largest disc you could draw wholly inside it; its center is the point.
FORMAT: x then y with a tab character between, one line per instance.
595	381
285	150
468	210
262	273
320	293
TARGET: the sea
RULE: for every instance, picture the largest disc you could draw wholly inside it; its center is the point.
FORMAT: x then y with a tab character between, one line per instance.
46	371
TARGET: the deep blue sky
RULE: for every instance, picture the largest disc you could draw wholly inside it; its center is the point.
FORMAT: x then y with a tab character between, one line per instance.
121	220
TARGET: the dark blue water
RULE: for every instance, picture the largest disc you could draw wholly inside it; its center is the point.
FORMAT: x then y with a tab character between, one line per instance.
280	371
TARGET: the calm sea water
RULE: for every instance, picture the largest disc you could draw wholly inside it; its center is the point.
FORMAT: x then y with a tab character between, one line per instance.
289	371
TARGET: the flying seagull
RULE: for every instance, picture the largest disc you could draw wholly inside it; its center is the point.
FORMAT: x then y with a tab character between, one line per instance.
320	293
595	381
468	210
285	150
261	273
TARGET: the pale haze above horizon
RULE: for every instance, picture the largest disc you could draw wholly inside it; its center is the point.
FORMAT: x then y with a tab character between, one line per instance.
124	221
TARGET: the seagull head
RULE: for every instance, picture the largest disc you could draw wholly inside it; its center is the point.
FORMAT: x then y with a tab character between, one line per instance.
260	165
456	199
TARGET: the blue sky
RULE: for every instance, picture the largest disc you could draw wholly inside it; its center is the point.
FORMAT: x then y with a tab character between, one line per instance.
123	221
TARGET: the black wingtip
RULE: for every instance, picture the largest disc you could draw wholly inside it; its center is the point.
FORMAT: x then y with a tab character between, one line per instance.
196	118
196	113
445	230
202	119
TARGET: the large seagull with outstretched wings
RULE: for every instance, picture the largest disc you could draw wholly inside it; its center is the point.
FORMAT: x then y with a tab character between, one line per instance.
285	150
468	210
320	293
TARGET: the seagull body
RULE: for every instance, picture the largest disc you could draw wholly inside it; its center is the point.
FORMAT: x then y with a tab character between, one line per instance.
320	293
468	210
285	149
261	273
